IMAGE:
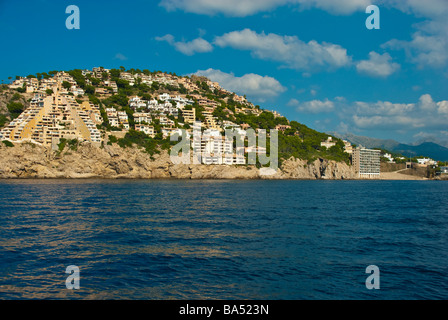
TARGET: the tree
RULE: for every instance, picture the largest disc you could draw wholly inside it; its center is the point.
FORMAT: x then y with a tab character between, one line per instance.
66	85
114	74
3	120
79	78
22	89
16	97
95	81
15	108
90	89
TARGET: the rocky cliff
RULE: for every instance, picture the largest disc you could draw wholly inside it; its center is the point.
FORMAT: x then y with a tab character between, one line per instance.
87	161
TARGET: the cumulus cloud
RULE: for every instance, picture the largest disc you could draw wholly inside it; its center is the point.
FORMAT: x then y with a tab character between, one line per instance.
293	102
238	8
243	8
425	113
121	57
313	106
407	119
188	48
377	65
442	107
290	50
428	47
253	85
427	8
429	44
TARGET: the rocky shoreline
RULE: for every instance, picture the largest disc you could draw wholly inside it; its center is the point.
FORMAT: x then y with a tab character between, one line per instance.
30	161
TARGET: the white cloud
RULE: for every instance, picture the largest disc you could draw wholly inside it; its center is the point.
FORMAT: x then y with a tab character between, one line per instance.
383	108
290	50
253	85
121	57
429	44
426	103
427	8
313	106
243	8
428	47
442	107
293	103
238	8
336	7
188	48
378	65
400	116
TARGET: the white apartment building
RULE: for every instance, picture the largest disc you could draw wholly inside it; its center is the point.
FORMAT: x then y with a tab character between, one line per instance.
366	162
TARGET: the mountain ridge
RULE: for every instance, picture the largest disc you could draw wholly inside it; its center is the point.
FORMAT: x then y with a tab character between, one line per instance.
427	149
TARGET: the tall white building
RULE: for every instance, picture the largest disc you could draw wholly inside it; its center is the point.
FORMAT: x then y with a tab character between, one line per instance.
366	162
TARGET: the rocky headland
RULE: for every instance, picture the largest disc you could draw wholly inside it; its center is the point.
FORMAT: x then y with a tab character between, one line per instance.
28	160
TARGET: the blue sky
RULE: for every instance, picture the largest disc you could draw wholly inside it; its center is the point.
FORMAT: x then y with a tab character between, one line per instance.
314	61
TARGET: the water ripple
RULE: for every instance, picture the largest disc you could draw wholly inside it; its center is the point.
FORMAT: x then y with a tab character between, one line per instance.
223	239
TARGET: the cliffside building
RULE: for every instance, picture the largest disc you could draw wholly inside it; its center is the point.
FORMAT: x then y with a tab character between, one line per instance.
49	119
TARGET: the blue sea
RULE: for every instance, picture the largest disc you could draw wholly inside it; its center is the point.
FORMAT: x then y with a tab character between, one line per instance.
170	239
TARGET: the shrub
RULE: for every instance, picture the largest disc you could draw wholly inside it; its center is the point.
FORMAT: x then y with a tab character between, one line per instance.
8	143
15	108
62	144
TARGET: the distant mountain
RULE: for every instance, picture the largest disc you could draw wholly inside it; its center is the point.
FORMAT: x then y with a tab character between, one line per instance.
443	143
427	149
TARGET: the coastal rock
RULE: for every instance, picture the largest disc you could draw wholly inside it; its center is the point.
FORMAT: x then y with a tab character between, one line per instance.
111	161
319	169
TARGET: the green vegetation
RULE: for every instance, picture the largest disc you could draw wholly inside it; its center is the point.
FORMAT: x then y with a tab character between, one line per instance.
139	139
16	97
78	77
8	143
22	90
306	145
142	140
112	139
15	109
71	143
3	120
66	85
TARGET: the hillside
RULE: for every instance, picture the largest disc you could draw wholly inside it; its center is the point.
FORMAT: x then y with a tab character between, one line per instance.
121	102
